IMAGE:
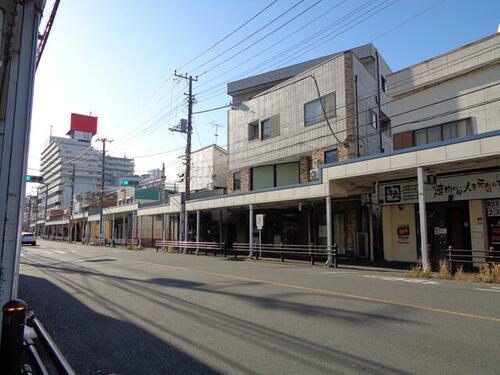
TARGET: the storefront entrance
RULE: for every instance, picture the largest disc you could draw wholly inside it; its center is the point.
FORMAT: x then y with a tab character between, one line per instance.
448	224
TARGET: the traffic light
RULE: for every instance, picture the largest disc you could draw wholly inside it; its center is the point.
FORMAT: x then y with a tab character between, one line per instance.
30	178
129	183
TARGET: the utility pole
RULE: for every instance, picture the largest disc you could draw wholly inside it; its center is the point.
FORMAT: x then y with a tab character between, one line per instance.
36	211
70	229
45	208
101	224
162	183
30	201
188	131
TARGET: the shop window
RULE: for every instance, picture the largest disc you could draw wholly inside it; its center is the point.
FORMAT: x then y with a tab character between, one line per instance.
314	111
236	181
438	133
331	156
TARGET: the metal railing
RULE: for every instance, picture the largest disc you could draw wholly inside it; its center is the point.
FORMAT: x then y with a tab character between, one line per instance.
193	246
60	363
471	258
311	252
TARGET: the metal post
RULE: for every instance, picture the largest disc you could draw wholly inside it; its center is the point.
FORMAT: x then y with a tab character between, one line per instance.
168	235
112	226
139	230
260	243
250	230
186	225
370	225
329	262
423	218
11	346
198	231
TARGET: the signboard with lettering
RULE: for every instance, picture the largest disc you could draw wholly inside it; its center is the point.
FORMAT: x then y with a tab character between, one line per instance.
403	232
472	186
259	221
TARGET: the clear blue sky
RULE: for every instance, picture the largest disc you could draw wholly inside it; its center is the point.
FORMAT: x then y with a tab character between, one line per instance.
115	58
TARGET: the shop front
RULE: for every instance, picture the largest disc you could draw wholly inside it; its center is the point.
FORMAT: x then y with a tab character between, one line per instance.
463	211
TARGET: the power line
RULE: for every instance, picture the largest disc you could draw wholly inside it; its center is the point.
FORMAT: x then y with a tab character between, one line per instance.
262	38
228	35
248	37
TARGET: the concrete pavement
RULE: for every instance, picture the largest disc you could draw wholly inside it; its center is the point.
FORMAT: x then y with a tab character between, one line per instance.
129	312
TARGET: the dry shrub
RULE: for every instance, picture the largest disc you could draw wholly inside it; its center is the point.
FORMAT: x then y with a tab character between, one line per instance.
130	247
495	270
444	270
415	271
460	275
485	274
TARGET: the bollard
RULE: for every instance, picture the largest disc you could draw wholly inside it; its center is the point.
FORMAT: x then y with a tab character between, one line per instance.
335	261
11	346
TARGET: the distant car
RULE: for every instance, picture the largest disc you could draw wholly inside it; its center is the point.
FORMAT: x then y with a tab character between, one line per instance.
28	238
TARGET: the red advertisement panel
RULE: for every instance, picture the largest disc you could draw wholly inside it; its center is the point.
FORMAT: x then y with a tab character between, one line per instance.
83	123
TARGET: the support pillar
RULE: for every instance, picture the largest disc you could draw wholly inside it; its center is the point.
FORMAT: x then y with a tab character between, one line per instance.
197	230
168	228
186	225
370	225
139	230
423	217
250	230
329	262
113	227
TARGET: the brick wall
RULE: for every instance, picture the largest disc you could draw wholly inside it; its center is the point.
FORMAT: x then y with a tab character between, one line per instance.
245	180
304	168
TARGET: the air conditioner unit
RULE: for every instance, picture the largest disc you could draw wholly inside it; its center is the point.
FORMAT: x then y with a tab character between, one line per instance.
314	174
210	186
316	163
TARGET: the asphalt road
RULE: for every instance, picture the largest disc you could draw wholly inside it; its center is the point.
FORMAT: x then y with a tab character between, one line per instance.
127	312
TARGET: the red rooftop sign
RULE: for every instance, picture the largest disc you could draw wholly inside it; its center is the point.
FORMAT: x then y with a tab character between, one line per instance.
83	123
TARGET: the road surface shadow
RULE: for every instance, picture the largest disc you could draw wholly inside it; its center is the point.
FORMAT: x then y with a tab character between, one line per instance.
97	344
320	358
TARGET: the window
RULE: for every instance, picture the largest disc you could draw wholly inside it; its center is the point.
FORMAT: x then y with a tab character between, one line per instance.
373	119
313	110
263	177
450	130
265	127
383	84
253	130
236	181
331	156
275	175
287	174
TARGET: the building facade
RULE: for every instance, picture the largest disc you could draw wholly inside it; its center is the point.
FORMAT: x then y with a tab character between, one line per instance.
208	169
62	154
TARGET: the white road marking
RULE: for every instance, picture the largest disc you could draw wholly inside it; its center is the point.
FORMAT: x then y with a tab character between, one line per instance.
60	252
489	290
496	287
404	279
339	272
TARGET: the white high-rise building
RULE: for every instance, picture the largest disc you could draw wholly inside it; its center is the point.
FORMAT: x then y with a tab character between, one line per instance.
61	153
